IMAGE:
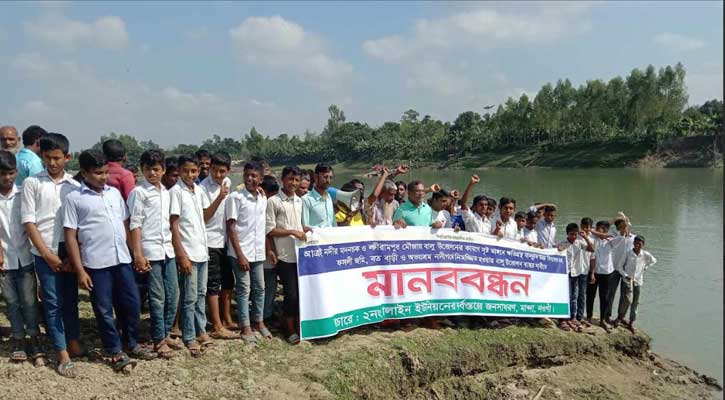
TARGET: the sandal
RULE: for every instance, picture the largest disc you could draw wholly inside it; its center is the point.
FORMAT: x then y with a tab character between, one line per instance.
67	369
575	325
293	339
143	353
122	362
174	343
194	348
163	350
564	325
249	339
586	323
204	340
223	334
265	333
18	354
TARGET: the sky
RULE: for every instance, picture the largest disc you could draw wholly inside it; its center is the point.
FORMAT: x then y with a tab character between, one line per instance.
180	72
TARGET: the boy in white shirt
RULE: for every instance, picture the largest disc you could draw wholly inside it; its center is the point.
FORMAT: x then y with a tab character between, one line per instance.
441	203
41	201
215	188
622	242
474	218
576	245
506	225
95	220
153	252
637	261
246	218
600	275
528	233
545	229
17	272
188	235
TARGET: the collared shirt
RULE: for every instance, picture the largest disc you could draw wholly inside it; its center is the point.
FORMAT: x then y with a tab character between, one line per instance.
381	213
620	246
529	235
29	164
317	210
576	257
635	264
42	198
99	219
414	216
216	235
149	210
187	205
250	216
121	178
546	233
284	212
16	248
603	263
475	222
444	216
508	229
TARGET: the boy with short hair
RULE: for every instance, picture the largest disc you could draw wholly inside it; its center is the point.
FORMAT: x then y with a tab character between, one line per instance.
622	242
95	220
601	275
270	187
41	201
576	245
441	203
528	233
545	229
171	174
153	252
188	235
474	218
215	188
506	226
246	220
637	261
118	176
17	272
204	164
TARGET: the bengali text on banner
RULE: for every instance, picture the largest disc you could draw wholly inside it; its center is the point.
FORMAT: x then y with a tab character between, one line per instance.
352	276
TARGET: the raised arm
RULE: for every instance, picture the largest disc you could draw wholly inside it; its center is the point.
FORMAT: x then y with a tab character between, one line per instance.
467	193
378	187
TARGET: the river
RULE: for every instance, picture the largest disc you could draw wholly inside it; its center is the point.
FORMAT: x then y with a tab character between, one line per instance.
679	211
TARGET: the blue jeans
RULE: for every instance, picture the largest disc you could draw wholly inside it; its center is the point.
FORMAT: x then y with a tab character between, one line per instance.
578	295
243	280
59	291
270	289
192	288
115	283
163	289
20	292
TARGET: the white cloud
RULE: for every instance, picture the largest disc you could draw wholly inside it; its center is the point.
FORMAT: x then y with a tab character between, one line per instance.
431	75
107	32
275	43
84	106
676	42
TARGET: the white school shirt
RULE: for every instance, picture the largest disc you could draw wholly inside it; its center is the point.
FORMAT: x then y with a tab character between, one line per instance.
16	247
620	246
99	219
216	230
576	256
529	235
603	263
475	222
509	229
546	234
284	212
250	214
444	216
148	207
635	264
188	206
42	198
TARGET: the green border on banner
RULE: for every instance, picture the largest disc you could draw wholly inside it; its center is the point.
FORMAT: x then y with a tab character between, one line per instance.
324	327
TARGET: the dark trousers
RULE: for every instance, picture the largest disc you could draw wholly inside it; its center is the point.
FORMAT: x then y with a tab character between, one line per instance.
115	283
614	279
287	273
602	284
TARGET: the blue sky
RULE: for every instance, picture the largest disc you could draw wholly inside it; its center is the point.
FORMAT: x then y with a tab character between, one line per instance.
179	72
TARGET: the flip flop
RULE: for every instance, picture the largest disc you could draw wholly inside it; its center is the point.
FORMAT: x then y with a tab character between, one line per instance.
293	339
223	334
67	369
122	362
19	356
249	339
265	333
143	353
564	326
174	343
163	350
194	348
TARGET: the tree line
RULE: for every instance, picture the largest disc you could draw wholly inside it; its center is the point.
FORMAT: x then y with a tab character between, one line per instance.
646	106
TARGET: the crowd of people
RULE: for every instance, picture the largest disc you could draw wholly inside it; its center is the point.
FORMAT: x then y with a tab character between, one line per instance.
188	243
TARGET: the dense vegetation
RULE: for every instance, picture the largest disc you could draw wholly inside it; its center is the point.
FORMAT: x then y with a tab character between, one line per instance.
645	108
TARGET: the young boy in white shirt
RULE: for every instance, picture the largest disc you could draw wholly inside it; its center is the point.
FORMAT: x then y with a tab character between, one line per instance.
188	235
17	272
215	188
545	228
246	218
41	200
600	275
506	226
528	233
95	220
637	261
576	245
621	243
153	252
474	218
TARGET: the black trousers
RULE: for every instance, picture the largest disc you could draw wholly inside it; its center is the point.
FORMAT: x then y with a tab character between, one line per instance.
602	284
287	273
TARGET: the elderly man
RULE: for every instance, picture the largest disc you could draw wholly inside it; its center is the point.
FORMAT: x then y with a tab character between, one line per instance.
29	162
9	139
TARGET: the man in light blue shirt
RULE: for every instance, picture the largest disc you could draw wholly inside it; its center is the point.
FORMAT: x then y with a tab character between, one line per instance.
317	208
28	161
